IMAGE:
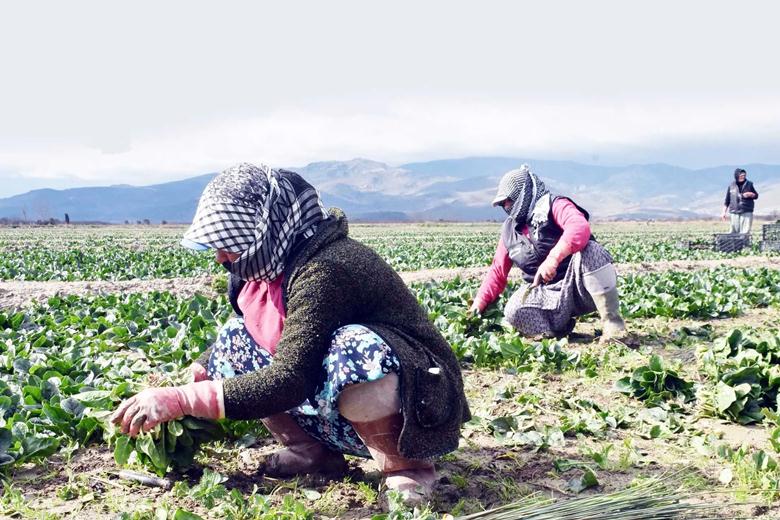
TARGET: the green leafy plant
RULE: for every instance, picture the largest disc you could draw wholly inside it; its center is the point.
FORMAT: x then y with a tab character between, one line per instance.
169	445
746	376
586	417
655	384
64	367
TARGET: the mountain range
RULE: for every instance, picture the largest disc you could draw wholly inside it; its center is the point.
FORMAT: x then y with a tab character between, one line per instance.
453	189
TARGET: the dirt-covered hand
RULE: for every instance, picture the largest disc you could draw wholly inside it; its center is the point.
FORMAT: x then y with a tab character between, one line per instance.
153	406
475	309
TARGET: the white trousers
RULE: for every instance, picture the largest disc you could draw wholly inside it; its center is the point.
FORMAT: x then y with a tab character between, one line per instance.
741	222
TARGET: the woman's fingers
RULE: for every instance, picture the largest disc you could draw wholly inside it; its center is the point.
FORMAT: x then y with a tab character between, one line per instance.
120	412
149	424
135	424
128	418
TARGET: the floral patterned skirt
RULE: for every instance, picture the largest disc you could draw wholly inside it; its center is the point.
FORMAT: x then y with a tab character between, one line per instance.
357	355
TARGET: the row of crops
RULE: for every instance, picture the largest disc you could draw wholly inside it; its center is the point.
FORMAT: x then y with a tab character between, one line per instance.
65	365
67	254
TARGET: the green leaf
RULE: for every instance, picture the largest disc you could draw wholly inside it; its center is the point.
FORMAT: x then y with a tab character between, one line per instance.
146	445
122	450
56	415
181	514
36	447
655	431
725	396
72	406
586	480
175	428
6	438
656	364
624	386
86	427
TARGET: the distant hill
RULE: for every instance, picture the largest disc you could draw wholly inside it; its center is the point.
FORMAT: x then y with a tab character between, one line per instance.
453	189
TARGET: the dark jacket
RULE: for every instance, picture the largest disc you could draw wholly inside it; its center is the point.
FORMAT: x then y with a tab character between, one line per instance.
528	253
734	200
334	281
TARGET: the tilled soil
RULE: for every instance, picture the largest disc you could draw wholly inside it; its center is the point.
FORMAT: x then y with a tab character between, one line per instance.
16	294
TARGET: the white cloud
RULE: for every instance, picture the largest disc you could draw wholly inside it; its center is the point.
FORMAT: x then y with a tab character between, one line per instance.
98	92
410	130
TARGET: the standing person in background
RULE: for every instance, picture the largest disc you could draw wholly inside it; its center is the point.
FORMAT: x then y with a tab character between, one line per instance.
740	201
568	273
330	349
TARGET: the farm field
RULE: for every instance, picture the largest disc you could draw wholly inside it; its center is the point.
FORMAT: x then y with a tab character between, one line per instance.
126	253
91	315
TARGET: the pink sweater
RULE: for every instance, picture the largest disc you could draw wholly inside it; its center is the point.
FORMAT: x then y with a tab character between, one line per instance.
576	233
261	303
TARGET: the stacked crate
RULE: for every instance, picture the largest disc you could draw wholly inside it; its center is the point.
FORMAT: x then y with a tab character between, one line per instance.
770	237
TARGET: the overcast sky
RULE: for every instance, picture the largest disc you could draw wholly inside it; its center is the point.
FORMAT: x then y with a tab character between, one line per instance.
93	93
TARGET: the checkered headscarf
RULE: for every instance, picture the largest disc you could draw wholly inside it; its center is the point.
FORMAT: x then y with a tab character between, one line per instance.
524	188
258	213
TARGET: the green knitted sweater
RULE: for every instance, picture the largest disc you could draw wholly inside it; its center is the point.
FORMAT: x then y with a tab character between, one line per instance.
335	281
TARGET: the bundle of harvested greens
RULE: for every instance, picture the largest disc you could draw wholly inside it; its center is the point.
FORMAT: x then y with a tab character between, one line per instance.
655	499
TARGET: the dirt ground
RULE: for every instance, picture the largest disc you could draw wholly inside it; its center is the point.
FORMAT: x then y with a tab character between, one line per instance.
16	294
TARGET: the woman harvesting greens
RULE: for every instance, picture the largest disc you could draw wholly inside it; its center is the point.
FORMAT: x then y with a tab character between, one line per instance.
330	348
569	274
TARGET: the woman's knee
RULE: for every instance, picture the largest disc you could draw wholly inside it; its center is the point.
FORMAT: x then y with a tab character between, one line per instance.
372	368
373	400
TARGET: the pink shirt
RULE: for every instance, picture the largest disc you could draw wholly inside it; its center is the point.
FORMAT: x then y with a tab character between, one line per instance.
263	308
576	233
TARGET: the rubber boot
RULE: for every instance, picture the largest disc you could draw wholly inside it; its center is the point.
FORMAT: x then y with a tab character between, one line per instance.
303	453
608	307
412	479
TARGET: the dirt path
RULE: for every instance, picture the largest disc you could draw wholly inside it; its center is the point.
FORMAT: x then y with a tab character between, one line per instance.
643	267
14	294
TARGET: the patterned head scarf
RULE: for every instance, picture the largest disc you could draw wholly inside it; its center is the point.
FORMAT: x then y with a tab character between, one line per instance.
524	188
258	213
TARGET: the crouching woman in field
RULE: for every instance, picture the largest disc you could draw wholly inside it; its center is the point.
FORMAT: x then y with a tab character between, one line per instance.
567	272
330	349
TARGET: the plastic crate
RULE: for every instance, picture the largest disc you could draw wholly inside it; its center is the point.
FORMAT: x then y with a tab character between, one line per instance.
691	245
770	245
731	242
771	232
